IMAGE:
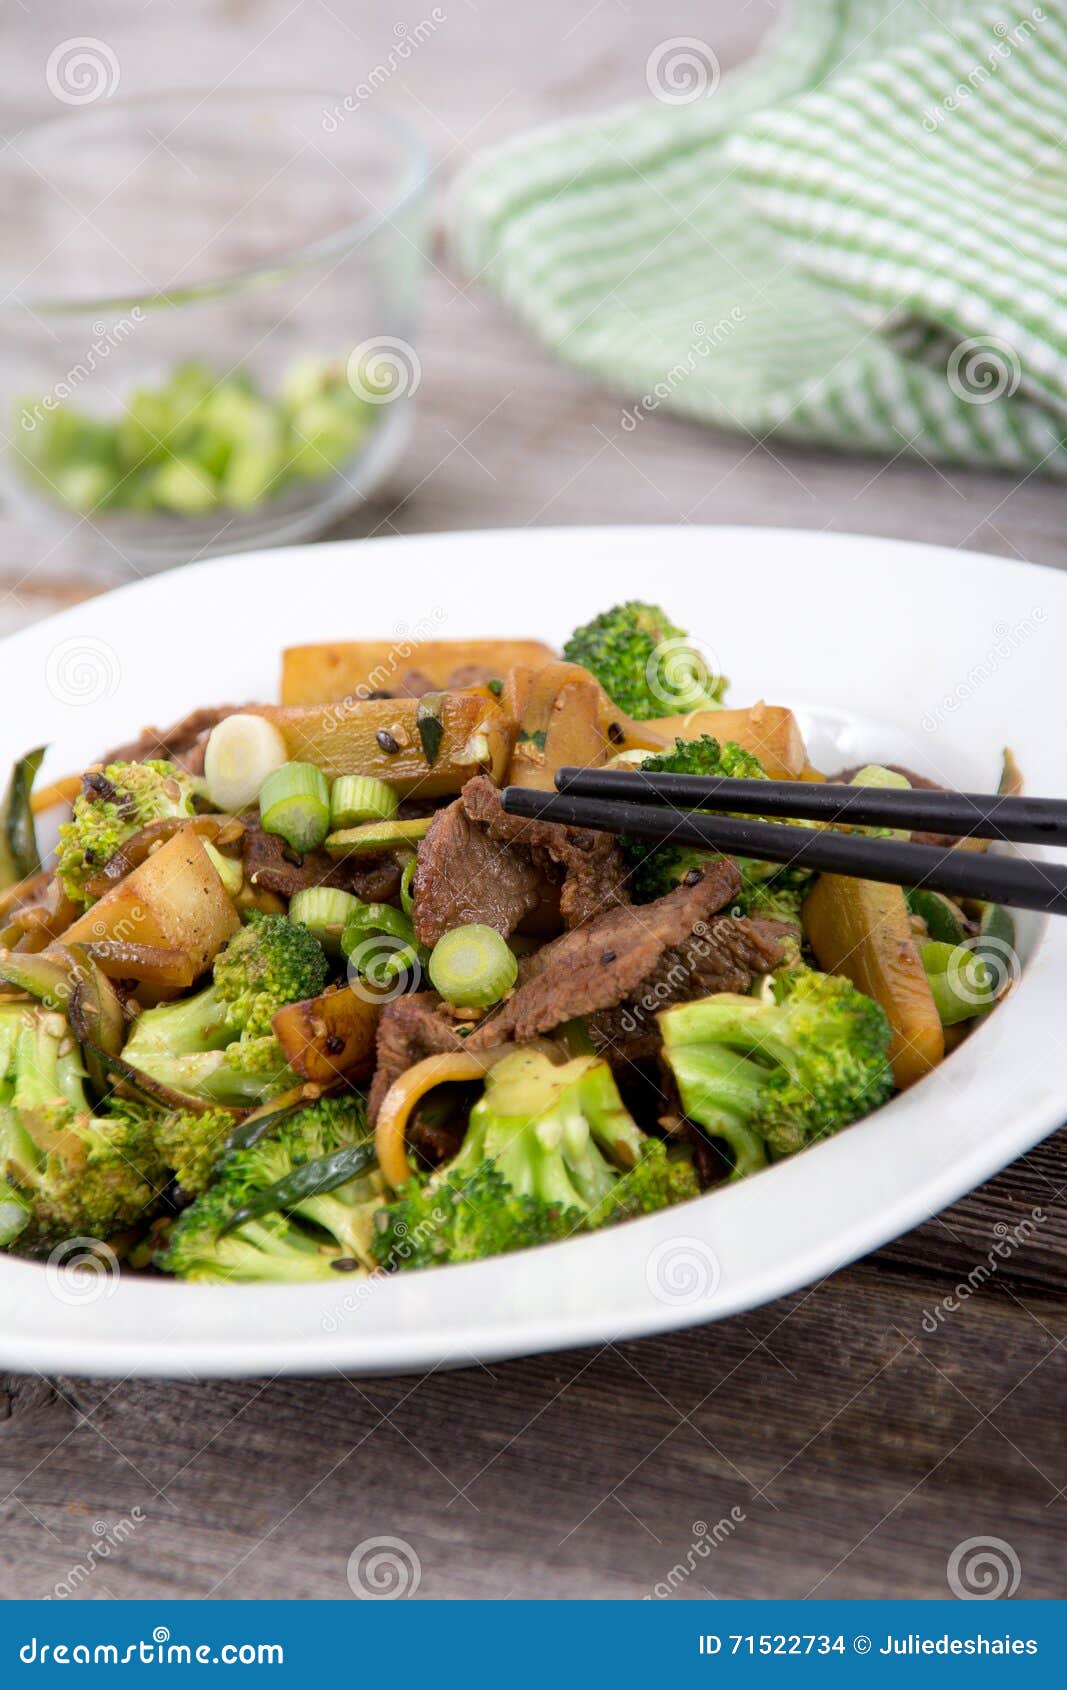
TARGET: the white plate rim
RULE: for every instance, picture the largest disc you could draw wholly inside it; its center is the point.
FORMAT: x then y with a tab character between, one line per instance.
599	1288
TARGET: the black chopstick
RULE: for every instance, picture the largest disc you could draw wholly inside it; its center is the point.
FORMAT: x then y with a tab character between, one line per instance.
976	815
969	874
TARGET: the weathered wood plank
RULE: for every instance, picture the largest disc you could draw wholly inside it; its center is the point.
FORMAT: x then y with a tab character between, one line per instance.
846	1439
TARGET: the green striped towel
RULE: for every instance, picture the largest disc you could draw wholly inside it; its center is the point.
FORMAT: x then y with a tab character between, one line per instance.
858	240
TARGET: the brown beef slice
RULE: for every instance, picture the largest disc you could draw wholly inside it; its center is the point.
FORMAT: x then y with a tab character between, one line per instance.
720	956
270	863
604	962
478	864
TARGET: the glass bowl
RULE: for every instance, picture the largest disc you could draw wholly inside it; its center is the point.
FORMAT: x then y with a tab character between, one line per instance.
207	318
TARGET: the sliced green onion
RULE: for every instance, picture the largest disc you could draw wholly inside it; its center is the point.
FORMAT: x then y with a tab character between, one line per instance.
294	802
876	774
324	910
361	798
407	894
962	983
241	752
944	919
19	855
379	943
313	1179
373	839
230	870
473	966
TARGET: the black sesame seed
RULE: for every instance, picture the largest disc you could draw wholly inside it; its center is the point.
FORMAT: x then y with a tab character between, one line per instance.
608	956
345	1264
334	1044
615	733
387	742
694	877
379	693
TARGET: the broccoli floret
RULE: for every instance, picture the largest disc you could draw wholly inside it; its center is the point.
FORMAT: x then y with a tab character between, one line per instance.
462	1219
191	1144
772	1074
778	899
318	1234
218	1044
549	1151
270	1248
658	868
115	803
644	662
659	1179
74	1173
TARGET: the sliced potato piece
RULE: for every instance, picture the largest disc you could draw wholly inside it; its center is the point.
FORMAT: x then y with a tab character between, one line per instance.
427	747
862	929
769	731
339	669
557	711
174	901
328	1036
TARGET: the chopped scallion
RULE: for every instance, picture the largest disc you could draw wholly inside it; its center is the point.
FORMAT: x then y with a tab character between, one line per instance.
294	802
473	966
241	752
324	910
361	798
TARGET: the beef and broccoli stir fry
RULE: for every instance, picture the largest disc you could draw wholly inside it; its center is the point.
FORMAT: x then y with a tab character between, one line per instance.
295	996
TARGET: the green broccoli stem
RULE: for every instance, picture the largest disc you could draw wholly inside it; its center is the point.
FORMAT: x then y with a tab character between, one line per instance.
211	1076
199	1023
723	1090
258	1252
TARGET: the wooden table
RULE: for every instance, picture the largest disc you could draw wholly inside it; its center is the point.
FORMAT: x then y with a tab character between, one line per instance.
849	1437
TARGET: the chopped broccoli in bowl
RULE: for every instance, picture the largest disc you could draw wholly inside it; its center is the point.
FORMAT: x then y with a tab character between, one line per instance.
645	662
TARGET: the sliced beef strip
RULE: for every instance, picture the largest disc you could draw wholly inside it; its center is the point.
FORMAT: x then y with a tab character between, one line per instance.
410	1028
591	864
479	864
462	876
722	958
182	744
270	863
604	962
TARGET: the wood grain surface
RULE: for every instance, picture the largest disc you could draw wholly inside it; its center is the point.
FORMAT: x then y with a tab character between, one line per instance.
841	1442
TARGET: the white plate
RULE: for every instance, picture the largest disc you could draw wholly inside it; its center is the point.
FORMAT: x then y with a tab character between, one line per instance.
889	651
